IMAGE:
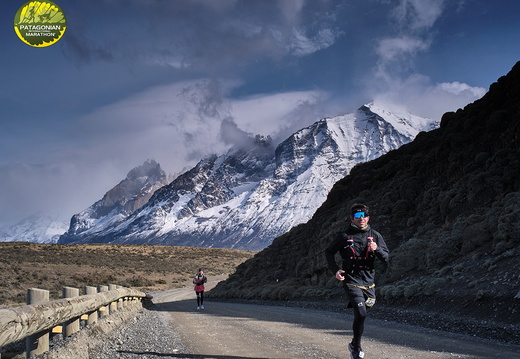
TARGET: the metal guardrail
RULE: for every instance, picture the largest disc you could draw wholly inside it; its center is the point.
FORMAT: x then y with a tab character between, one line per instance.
36	321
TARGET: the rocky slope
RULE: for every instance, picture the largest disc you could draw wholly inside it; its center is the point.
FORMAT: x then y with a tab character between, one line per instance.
448	204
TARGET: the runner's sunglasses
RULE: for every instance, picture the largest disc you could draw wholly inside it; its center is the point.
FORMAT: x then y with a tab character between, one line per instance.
359	215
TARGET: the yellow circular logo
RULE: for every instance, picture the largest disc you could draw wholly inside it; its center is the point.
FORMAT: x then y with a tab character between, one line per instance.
40	23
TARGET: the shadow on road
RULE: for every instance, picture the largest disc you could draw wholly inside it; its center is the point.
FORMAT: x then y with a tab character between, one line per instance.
271	313
184	356
339	324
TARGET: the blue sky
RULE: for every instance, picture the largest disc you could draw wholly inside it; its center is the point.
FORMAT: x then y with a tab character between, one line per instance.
176	80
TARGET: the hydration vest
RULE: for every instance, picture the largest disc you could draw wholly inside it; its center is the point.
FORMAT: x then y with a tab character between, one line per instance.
362	260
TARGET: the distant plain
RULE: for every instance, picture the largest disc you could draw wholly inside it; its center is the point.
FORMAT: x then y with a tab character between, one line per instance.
146	267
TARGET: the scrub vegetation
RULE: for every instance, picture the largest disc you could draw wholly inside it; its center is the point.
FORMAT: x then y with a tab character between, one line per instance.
448	206
53	266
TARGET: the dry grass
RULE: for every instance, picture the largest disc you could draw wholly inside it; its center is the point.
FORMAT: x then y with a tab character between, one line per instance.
146	267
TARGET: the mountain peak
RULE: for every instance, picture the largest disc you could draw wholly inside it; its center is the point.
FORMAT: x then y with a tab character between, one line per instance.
36	228
149	168
120	201
401	118
254	193
264	141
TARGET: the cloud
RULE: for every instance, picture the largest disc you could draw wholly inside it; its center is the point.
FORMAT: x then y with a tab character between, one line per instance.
174	124
395	79
60	189
268	114
412	22
182	122
419	96
176	80
457	88
302	45
231	134
78	48
163	33
169	123
417	15
393	52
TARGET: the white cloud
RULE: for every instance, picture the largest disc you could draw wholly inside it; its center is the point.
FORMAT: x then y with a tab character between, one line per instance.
419	96
417	15
395	79
412	22
399	48
175	124
303	45
267	114
458	88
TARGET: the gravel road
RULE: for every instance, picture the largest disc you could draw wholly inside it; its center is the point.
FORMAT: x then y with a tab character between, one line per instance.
173	328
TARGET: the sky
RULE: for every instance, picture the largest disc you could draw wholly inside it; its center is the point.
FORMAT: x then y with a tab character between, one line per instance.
176	80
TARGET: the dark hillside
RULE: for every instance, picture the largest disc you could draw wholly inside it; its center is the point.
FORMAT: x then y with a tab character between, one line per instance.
448	205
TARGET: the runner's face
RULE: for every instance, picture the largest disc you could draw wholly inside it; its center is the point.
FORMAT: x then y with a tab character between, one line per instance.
361	221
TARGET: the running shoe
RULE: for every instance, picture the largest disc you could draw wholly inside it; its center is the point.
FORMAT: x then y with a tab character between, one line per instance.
355	353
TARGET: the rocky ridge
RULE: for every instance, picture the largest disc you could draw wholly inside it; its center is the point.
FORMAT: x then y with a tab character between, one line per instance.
448	204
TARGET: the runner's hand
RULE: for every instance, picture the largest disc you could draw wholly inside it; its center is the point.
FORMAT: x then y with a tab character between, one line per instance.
372	244
339	275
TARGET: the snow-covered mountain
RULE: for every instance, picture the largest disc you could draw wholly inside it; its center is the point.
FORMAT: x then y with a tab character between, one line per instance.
249	196
121	201
38	229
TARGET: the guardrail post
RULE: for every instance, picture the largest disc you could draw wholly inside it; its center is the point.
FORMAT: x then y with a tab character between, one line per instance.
120	302
103	311
71	326
92	316
113	305
37	344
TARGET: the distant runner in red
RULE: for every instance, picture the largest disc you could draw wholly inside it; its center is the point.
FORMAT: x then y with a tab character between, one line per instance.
359	245
199	281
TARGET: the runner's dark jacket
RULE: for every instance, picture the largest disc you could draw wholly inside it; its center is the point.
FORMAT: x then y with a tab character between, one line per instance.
359	269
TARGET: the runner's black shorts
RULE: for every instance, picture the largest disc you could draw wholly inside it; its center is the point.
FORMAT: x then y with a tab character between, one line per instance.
358	295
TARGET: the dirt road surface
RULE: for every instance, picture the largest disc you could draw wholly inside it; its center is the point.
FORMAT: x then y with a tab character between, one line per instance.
239	331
